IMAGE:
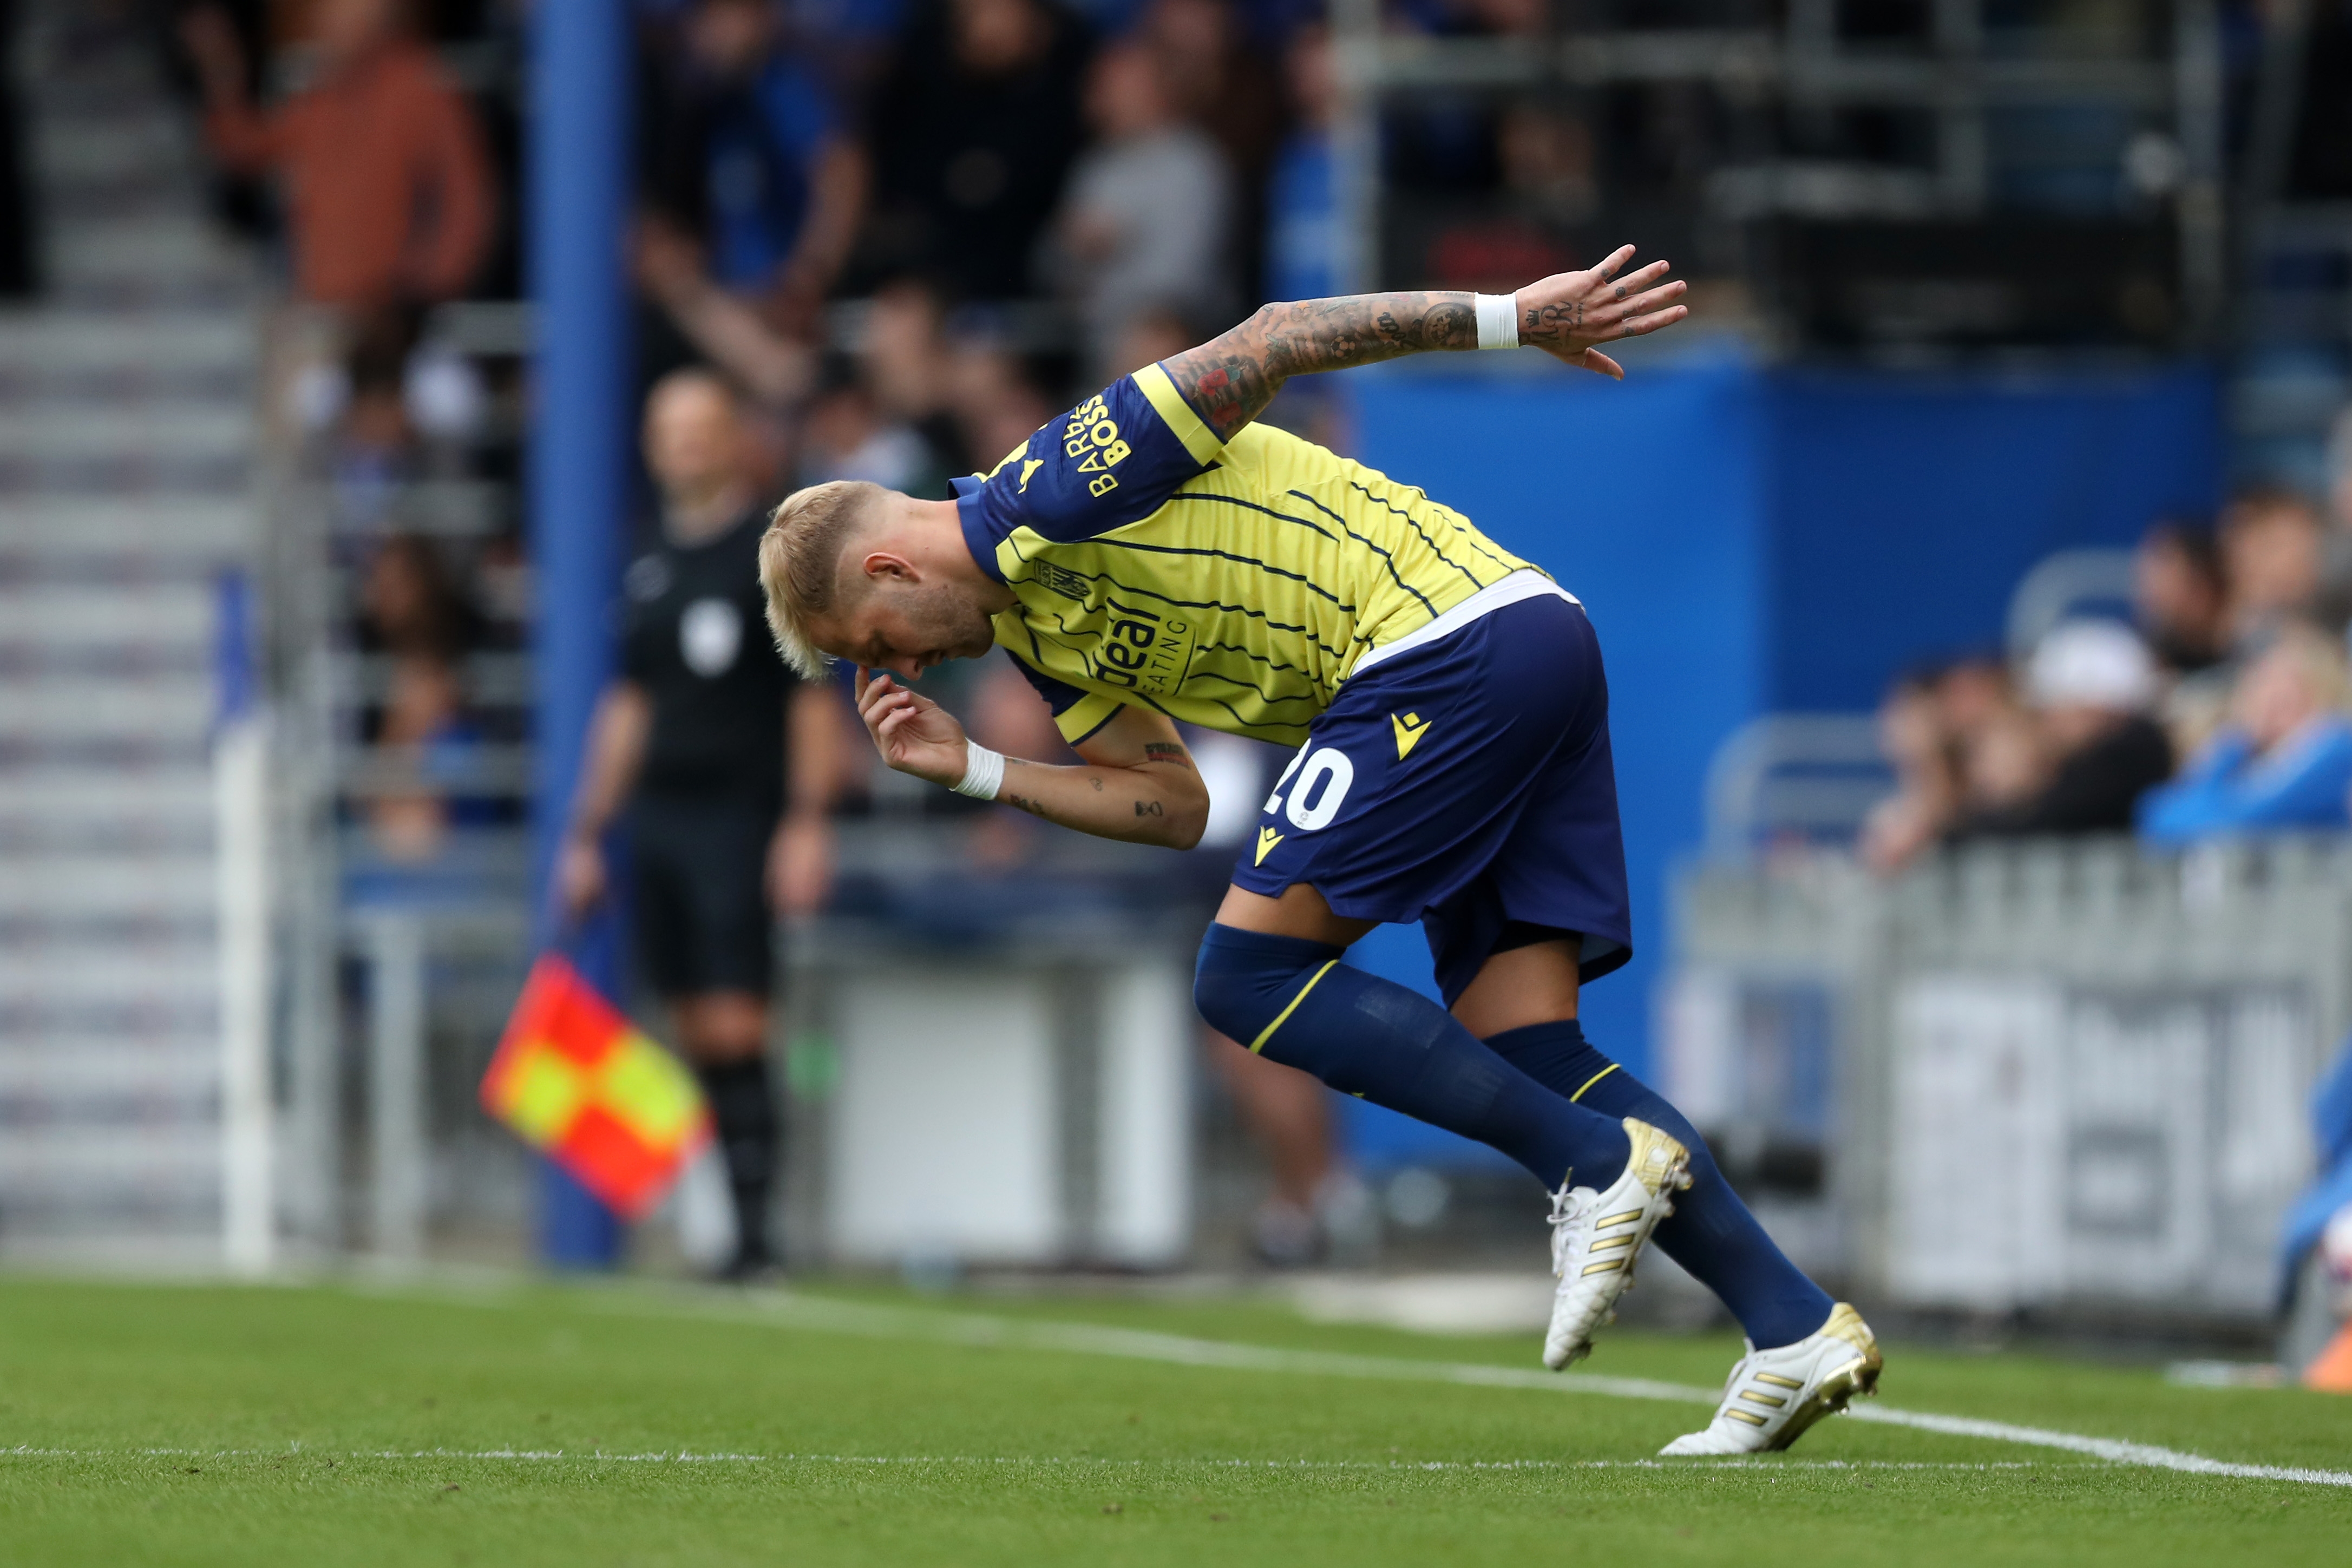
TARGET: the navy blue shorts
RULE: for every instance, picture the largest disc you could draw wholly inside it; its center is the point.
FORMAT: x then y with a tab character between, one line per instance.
1465	784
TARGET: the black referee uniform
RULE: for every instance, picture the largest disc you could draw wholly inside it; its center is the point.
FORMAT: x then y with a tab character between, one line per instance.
709	792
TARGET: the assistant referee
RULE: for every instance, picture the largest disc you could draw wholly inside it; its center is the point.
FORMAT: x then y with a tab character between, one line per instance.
724	761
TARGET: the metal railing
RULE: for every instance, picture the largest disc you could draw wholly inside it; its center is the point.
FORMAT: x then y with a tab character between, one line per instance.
398	950
2160	83
366	939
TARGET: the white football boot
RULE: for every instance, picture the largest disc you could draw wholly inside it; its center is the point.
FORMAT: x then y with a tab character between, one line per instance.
1595	1237
1775	1394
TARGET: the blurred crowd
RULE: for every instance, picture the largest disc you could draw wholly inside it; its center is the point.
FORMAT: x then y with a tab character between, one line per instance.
2223	708
903	231
902	226
871	239
907	230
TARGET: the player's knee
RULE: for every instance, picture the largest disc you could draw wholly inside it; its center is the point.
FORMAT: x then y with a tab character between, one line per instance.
1245	979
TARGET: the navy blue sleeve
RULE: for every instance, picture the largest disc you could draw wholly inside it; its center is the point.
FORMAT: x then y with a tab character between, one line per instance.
1113	459
1060	696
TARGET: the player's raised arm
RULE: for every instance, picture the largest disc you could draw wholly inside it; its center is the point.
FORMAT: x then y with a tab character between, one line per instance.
1232	378
1138	782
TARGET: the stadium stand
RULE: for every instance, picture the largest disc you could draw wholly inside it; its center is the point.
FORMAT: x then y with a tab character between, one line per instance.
128	477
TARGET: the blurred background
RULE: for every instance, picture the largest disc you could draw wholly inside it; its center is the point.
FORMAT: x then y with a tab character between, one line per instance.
1974	566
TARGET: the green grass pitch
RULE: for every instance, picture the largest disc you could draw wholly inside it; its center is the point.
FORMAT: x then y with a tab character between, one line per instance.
544	1424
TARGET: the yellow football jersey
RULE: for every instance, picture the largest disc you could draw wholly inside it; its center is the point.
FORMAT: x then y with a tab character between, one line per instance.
1233	585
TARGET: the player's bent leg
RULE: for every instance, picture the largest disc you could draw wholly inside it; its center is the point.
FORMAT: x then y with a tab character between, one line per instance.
1597	1236
1290	999
1712	1235
1773	1396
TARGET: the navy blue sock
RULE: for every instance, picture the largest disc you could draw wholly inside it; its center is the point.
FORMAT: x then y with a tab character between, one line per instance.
1292	1001
1711	1234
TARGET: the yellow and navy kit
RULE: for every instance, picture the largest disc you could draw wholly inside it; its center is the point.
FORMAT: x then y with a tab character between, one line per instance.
1233	584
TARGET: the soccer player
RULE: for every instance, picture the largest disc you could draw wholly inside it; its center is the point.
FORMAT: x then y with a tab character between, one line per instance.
1154	555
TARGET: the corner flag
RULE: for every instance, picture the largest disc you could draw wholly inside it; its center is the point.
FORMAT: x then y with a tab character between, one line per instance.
577	1081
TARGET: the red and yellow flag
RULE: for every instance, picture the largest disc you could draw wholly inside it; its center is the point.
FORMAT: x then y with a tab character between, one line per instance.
576	1080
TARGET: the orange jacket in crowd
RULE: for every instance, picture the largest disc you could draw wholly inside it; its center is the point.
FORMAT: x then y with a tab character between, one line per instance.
388	190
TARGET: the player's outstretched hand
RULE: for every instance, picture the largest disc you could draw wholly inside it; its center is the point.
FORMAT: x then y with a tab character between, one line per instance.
914	733
1568	313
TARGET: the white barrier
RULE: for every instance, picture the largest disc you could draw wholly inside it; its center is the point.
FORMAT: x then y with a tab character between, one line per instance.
2052	1073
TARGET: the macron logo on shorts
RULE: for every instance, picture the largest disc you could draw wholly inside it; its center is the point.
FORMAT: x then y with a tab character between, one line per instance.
1409	731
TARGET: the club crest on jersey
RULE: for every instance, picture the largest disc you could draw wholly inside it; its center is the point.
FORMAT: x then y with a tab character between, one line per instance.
1410	729
1061	580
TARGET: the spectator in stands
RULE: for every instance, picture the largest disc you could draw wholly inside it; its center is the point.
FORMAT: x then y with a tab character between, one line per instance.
413	615
389	192
1548	164
372	452
753	163
2285	759
2091	683
727	765
1145	220
974	128
1916	744
1302	228
2272	548
1960	745
777	368
907	366
1442	149
2004	762
1232	92
996	404
1302	231
1995	748
2182	599
848	435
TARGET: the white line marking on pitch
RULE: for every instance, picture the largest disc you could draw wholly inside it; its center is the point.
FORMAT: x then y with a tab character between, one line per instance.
686	1456
1139	1344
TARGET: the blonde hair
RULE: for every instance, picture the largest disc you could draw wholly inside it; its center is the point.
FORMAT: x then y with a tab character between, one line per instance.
800	563
2319	659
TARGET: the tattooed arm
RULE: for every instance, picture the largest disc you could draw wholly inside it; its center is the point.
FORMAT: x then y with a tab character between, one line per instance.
1137	782
1231	378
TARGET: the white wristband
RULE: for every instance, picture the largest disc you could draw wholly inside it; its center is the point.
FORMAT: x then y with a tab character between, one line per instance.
983	772
1499	320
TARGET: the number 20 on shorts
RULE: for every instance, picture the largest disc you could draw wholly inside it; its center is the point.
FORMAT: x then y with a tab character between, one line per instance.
1320	789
